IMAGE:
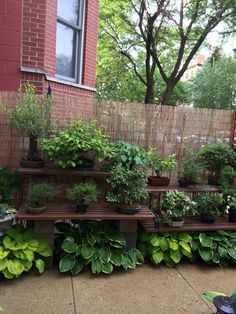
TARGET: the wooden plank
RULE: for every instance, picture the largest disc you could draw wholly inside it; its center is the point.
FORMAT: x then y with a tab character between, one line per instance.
155	190
191	225
53	170
63	211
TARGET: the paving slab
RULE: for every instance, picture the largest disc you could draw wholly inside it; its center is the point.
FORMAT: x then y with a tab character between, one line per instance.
145	290
204	277
49	293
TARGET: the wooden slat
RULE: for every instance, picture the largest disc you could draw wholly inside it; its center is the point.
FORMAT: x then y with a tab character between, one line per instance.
62	211
190	189
191	225
53	170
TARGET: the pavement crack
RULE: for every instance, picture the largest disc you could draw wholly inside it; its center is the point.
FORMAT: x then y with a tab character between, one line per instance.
73	294
192	287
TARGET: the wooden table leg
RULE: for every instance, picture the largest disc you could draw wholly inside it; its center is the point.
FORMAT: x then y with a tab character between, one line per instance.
45	230
129	229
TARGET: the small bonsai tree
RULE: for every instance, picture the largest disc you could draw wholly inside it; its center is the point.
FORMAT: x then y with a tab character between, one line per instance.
67	147
86	192
128	186
31	116
209	204
161	166
39	193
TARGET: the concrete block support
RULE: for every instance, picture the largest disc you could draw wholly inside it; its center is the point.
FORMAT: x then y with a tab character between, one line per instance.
129	230
45	230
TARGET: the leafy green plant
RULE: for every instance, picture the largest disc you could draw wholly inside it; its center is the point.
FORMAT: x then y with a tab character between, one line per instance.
9	183
216	157
20	251
67	147
163	165
217	247
209	204
176	205
40	192
191	170
31	116
87	192
128	155
7	210
128	186
95	246
169	248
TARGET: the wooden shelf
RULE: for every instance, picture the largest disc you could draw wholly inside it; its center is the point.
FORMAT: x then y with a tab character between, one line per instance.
192	224
189	189
53	170
63	211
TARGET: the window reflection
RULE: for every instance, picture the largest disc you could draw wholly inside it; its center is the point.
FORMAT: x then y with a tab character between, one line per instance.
68	10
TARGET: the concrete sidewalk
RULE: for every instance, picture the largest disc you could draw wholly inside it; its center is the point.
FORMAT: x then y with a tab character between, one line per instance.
146	290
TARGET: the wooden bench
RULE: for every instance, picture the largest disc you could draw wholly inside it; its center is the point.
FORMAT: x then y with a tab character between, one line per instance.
44	222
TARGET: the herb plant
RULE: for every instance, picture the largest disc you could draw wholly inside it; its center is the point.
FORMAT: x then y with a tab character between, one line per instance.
84	192
95	246
40	192
67	147
20	251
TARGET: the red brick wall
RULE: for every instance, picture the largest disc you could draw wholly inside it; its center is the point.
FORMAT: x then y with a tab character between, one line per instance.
10	43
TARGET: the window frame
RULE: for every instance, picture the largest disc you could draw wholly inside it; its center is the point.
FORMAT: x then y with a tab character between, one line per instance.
78	47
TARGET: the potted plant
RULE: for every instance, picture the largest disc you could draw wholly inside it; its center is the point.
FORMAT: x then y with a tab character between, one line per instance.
215	157
82	194
31	116
7	216
38	194
161	166
78	146
176	206
209	206
128	188
191	171
232	209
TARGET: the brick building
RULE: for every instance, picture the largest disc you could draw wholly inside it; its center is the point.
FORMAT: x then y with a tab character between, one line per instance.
49	42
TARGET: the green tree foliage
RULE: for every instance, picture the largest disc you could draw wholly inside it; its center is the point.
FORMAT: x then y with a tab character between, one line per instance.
215	85
145	46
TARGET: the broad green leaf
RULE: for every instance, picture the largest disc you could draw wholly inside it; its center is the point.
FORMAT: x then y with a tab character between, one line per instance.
87	251
117	245
27	264
77	267
205	253
194	245
29	234
216	258
222	251
105	255
210	295
164	245
7	274
107	268
185	237
231	251
91	240
69	246
175	255
66	263
157	257
173	244
29	255
3	264
3	253
168	260
43	248
15	267
127	262
186	246
114	236
205	241
186	253
40	265
33	244
116	258
139	257
11	232
154	240
97	266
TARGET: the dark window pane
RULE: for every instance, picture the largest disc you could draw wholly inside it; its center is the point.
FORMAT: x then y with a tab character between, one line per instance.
65	51
68	10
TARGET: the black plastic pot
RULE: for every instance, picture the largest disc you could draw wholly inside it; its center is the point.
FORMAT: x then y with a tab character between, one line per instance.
224	305
82	208
183	182
86	166
208	219
32	164
232	214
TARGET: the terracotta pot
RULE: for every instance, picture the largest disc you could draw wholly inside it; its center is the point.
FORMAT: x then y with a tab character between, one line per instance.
158	181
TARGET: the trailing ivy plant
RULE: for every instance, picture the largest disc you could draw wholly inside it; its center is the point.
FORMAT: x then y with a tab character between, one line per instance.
20	251
95	246
67	147
169	248
217	247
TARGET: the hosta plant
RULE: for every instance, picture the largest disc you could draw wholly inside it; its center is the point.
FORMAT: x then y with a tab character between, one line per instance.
218	247
95	246
169	248
20	251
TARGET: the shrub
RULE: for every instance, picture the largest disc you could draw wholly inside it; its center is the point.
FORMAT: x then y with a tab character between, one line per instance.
209	204
20	251
67	147
86	191
38	193
95	246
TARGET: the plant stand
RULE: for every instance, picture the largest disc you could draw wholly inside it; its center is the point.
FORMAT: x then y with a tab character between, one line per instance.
129	229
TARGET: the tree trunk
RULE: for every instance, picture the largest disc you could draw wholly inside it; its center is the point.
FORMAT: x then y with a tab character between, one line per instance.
149	96
167	94
33	153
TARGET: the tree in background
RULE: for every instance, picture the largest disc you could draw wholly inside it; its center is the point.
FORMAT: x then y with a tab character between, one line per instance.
214	86
154	41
